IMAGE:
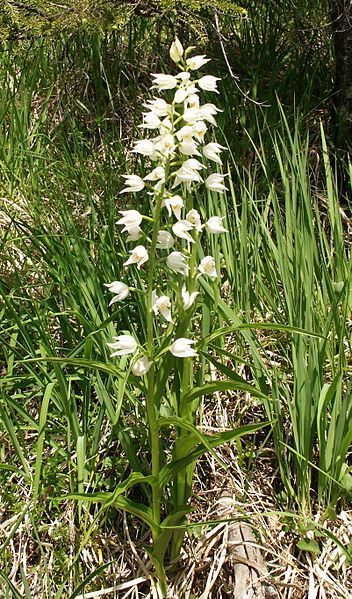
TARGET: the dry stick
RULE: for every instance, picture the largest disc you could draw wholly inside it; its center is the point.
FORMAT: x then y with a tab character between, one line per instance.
234	77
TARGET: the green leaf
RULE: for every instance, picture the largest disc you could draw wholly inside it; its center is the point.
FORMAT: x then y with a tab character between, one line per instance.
271	326
216	386
181	423
171	523
169	471
110	497
11	586
88	579
41	436
90	364
116	499
309	545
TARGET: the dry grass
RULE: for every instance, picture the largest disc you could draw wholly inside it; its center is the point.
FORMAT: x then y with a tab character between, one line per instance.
205	568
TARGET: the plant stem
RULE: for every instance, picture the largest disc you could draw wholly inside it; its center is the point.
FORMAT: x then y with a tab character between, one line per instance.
151	414
185	412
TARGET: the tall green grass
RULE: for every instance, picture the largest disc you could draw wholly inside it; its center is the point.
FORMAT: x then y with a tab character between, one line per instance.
288	261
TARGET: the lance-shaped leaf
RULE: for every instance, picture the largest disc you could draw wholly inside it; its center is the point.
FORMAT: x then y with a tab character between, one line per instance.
181	423
108	497
116	499
271	326
169	471
171	523
216	386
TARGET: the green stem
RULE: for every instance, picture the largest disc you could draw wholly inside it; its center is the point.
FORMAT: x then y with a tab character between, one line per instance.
151	414
182	479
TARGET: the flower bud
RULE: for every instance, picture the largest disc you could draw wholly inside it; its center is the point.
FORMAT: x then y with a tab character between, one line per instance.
176	50
141	366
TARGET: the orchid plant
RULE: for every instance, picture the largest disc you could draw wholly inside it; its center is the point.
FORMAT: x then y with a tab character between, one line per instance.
165	250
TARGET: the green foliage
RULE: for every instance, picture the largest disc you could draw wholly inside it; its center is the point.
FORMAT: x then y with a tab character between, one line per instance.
36	18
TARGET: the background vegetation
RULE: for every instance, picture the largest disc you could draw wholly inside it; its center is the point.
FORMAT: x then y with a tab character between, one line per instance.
72	83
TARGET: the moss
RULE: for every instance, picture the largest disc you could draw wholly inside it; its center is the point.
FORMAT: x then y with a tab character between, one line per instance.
36	18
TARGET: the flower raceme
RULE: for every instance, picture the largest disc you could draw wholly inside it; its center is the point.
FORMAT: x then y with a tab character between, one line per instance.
176	124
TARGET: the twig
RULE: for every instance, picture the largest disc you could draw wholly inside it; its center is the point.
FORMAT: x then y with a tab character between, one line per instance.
234	77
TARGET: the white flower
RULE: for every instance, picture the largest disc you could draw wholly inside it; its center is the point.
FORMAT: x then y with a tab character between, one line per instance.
124	345
130	220
175	205
165	126
214	225
207	267
162	305
185	133
212	150
133	182
165	240
193	217
176	50
191	115
177	262
180	95
208	83
193	164
190	87
199	130
157	174
162	81
192	101
120	289
188	298
158	106
141	366
134	233
208	111
189	148
184	76
215	183
144	147
181	229
150	121
186	175
181	348
139	255
196	62
165	144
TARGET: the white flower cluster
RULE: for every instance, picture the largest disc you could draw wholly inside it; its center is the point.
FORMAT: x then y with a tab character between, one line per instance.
179	158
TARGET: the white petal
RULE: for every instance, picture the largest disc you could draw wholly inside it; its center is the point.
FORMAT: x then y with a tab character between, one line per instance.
208	83
214	225
144	147
162	81
176	261
134	183
196	62
188	298
141	366
176	50
181	229
181	348
215	183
